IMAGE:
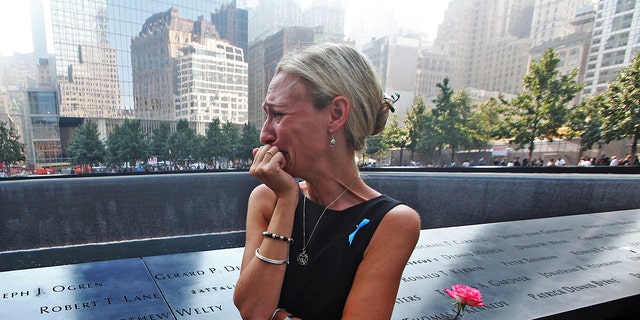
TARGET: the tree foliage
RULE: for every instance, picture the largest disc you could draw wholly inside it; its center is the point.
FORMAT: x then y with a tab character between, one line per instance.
621	115
212	144
230	141
489	119
375	147
249	140
418	129
452	125
11	149
86	148
393	136
541	109
128	143
584	121
184	143
160	140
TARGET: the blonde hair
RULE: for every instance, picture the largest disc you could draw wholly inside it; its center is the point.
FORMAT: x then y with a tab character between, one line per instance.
331	70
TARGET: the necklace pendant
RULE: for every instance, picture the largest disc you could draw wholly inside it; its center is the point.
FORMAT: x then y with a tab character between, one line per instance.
303	258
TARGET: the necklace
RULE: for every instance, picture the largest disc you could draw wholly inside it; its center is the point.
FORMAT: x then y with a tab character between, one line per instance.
303	257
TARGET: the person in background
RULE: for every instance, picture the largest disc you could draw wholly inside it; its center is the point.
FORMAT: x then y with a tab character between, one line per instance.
326	246
516	162
614	161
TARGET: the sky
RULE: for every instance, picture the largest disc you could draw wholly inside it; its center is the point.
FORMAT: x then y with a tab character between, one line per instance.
422	14
425	14
16	28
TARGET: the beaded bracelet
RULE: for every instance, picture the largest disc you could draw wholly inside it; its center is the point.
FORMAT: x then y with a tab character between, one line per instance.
269	260
277	236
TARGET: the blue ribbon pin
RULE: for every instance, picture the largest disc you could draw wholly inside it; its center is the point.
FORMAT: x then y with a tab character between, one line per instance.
363	223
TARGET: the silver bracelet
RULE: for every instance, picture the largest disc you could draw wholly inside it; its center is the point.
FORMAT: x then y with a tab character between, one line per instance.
274	313
268	260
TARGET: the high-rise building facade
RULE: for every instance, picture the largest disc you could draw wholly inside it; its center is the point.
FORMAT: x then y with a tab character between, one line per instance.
91	43
29	105
182	69
433	68
572	49
326	17
232	24
552	19
487	42
212	83
396	61
264	56
154	59
86	66
83	67
271	16
616	39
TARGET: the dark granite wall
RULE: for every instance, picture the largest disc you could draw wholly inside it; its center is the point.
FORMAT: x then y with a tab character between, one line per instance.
167	213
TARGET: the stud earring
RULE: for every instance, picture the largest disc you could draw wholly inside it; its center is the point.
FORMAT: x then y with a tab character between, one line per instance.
332	141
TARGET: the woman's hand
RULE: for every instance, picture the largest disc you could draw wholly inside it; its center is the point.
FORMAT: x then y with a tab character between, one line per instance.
268	164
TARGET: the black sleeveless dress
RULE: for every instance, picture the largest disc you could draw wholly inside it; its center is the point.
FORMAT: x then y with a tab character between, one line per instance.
319	289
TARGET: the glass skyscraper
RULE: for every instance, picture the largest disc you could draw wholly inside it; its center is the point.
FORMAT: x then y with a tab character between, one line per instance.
91	48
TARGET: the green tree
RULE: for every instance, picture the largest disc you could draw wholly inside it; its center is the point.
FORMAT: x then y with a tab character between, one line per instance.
420	134
393	136
128	143
184	143
621	116
249	140
11	149
541	109
375	146
160	140
212	145
584	122
489	119
452	120
230	141
86	148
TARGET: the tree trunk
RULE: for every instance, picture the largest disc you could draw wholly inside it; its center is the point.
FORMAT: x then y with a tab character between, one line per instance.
453	153
634	146
531	147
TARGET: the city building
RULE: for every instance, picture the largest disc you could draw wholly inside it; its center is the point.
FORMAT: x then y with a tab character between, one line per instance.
212	83
233	25
182	69
396	61
371	23
271	16
433	68
83	58
28	104
258	83
85	63
553	19
326	17
487	42
572	49
616	40
264	56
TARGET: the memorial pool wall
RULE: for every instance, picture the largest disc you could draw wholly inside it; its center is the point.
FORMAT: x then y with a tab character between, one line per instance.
65	220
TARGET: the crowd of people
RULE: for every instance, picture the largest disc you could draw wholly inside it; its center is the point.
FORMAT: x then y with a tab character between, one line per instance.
584	161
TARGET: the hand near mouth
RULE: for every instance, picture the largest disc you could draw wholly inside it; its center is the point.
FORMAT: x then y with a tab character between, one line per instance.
268	165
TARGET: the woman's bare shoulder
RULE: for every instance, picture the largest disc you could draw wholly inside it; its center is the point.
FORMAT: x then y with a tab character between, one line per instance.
402	219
